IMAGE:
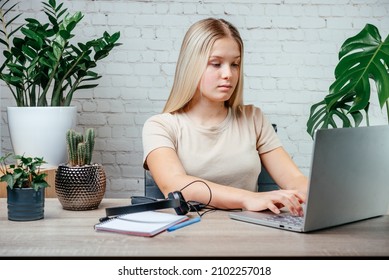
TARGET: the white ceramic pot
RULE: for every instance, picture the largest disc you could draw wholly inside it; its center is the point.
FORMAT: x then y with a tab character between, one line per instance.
41	131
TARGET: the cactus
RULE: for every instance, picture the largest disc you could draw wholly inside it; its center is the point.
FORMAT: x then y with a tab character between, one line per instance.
90	144
80	151
72	140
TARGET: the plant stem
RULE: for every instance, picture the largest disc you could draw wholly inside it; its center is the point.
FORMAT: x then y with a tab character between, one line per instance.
42	98
13	92
387	100
69	96
387	109
58	89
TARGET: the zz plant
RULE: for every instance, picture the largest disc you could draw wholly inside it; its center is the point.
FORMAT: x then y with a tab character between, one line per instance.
362	58
80	148
44	60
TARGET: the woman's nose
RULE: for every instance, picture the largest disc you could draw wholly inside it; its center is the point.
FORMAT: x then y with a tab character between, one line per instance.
226	72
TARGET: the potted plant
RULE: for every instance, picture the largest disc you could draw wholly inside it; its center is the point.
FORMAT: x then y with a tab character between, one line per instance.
25	187
43	68
80	184
362	57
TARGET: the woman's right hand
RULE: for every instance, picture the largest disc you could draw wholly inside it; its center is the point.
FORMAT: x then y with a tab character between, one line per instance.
275	200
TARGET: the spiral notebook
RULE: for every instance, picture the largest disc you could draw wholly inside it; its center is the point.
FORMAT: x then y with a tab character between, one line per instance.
147	223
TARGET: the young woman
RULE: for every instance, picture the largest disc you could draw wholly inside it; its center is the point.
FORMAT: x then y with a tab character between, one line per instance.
207	139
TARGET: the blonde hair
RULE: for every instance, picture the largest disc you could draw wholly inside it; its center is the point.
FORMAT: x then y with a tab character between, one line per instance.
193	59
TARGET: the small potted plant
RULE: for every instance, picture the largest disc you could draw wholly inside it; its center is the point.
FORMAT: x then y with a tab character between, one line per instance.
80	184
25	187
44	64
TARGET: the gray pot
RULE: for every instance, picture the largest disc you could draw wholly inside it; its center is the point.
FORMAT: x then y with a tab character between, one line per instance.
81	187
25	204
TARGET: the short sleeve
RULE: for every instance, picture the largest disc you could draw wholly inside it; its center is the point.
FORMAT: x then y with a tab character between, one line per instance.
267	138
158	132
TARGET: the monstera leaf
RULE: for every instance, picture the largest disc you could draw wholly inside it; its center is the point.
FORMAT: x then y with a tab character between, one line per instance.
362	57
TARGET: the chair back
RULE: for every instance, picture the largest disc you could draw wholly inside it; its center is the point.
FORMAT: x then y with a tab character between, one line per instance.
151	188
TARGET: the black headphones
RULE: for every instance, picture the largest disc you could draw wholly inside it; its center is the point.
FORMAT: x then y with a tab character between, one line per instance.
175	200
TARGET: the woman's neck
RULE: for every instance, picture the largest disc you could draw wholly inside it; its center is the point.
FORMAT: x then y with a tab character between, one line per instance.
206	113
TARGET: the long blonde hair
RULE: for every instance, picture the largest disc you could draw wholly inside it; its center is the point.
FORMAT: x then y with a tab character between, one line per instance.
193	59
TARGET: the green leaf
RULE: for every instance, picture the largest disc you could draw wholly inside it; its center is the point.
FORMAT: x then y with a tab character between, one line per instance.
100	55
29	51
76	50
71	26
321	117
92	74
9	9
14	31
87	86
9	179
363	57
52	57
52	3
7	54
13	80
61	13
83	47
16	70
57	51
52	19
45	62
4	43
59	7
33	21
40	184
65	34
69	22
32	35
12	20
114	37
18	43
91	79
369	36
47	6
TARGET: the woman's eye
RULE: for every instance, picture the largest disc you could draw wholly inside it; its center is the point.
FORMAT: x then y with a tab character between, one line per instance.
215	64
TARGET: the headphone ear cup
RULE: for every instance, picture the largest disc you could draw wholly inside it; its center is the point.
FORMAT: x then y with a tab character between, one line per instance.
183	209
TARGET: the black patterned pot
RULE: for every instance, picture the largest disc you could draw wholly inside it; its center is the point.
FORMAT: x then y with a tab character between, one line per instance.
25	204
80	188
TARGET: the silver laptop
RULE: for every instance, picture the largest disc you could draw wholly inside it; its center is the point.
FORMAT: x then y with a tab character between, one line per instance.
349	181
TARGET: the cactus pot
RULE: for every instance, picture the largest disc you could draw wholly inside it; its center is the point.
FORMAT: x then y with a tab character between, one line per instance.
80	188
25	204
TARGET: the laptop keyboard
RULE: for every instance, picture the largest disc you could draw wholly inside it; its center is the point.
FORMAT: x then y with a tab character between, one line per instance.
287	219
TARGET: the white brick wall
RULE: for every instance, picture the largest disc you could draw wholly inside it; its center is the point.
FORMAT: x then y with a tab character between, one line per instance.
291	51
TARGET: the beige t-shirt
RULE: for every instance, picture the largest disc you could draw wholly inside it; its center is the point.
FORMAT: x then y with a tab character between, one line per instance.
227	153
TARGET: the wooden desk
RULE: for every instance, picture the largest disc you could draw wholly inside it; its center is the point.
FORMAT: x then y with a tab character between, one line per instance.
71	234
